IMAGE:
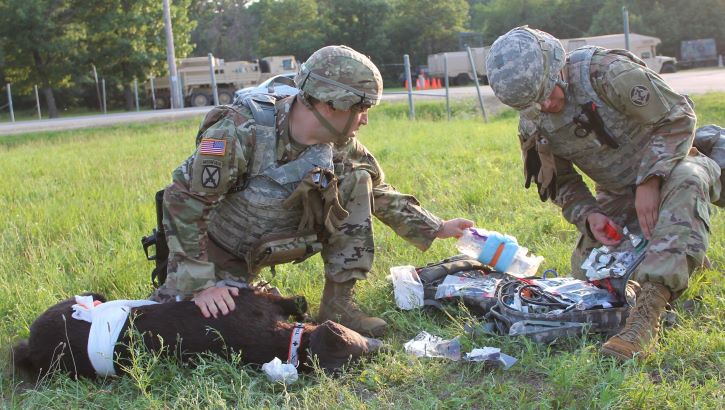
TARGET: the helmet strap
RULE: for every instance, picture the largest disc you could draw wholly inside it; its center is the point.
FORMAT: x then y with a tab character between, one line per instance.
340	137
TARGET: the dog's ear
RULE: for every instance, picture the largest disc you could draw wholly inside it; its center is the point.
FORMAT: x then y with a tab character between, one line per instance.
334	345
21	358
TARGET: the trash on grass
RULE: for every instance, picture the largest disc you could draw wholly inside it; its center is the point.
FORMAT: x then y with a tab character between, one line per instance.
407	287
491	355
277	371
428	345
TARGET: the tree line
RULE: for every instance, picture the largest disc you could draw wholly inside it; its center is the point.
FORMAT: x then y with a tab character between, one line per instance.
56	44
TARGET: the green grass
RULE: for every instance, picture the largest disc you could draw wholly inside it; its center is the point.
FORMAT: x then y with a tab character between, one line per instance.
76	203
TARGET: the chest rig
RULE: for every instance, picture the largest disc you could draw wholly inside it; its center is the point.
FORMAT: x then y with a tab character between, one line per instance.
253	214
604	143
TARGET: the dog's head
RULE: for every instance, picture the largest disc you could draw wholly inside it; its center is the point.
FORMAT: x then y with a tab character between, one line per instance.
334	345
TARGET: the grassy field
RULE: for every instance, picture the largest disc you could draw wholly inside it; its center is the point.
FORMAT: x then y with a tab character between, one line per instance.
76	203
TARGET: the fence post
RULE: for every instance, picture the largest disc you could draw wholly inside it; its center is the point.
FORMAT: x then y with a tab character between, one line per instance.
37	101
135	92
103	90
153	93
478	86
445	73
214	90
406	65
10	102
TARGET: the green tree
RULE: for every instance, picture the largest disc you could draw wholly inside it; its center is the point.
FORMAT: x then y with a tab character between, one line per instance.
609	19
42	42
229	29
672	22
128	40
561	18
290	27
358	24
422	27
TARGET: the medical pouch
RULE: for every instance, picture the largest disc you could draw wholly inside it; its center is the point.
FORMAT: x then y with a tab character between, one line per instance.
276	249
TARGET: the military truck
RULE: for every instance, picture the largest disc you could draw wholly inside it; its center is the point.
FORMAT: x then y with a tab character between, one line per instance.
643	46
698	53
230	75
459	65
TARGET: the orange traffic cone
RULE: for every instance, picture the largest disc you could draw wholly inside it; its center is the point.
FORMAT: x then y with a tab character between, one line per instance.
437	83
405	84
427	83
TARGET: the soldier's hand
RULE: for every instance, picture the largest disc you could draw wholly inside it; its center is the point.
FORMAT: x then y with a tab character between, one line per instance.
213	300
647	204
597	222
453	228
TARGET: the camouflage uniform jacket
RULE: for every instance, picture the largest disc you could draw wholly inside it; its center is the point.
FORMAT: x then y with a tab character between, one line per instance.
652	124
188	204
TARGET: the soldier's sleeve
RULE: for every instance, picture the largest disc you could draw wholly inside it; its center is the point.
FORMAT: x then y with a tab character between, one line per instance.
643	96
573	195
221	158
401	212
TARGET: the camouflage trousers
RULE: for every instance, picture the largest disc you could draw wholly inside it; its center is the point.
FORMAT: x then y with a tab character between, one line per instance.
682	231
347	252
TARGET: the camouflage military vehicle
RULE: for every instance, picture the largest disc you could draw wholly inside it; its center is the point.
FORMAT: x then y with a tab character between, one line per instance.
230	75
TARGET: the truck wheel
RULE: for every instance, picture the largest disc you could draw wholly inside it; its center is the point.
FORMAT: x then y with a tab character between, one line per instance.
162	102
462	79
225	97
199	100
668	68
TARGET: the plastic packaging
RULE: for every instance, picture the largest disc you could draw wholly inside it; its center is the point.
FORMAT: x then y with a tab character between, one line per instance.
407	287
478	287
502	252
428	345
491	355
277	371
607	262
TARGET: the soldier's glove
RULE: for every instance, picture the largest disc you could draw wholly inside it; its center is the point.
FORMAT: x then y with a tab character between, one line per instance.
539	166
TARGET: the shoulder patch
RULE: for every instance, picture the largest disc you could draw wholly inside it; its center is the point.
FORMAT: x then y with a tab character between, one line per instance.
212	146
639	95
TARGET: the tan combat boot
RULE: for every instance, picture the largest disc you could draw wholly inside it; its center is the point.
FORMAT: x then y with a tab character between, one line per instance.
337	305
642	326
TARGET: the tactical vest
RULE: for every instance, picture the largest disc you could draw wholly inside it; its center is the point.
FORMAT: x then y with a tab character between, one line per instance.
253	213
610	168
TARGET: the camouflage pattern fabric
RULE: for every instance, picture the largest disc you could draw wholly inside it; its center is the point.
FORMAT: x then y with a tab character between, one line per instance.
342	76
681	235
196	262
654	128
523	66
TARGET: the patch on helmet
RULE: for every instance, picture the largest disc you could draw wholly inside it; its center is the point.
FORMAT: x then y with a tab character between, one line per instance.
639	95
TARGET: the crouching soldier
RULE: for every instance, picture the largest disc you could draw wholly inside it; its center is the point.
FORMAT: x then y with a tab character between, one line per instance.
278	180
619	123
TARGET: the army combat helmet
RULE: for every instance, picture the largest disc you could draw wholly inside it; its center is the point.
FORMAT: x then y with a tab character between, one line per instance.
523	67
342	78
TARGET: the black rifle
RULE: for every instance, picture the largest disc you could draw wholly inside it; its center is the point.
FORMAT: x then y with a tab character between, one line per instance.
594	123
158	240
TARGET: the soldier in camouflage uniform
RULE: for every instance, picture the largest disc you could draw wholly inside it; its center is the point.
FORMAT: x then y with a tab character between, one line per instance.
619	123
256	194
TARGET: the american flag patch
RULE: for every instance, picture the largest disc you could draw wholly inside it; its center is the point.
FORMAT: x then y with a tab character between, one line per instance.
210	146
